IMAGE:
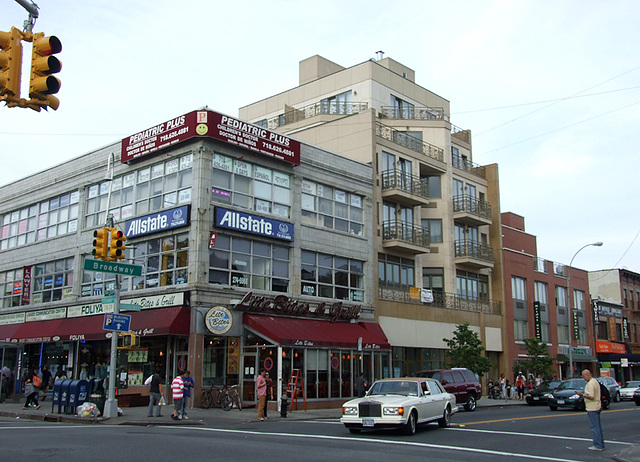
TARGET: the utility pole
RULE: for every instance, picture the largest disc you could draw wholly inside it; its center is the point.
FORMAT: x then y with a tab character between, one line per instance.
32	9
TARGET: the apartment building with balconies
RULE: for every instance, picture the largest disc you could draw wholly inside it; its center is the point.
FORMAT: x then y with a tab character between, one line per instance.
436	213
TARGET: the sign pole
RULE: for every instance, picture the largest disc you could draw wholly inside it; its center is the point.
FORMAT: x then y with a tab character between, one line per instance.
111	405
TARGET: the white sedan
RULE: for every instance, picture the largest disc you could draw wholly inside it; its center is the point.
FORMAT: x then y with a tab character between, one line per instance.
627	391
400	403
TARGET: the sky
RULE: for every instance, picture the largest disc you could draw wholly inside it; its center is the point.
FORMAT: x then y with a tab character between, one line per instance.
549	89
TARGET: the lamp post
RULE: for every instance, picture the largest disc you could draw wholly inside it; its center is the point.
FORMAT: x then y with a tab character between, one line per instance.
570	314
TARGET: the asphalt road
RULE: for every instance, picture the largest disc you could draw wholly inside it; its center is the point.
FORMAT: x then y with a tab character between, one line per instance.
501	433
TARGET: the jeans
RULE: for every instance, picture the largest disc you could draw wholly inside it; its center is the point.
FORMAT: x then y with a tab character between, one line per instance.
596	429
154	398
185	405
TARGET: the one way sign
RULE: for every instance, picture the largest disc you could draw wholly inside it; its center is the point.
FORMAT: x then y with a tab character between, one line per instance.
118	322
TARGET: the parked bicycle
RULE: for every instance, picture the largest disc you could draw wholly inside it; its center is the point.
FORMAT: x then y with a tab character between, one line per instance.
224	397
235	396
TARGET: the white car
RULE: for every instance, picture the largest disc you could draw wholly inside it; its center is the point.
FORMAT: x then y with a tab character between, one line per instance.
400	403
627	391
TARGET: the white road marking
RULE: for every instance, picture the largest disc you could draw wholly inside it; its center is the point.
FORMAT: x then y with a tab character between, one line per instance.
536	435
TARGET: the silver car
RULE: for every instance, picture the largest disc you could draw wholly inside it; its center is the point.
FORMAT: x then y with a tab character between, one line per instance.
626	392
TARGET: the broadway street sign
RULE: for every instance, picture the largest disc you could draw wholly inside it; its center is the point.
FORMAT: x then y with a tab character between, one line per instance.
112	267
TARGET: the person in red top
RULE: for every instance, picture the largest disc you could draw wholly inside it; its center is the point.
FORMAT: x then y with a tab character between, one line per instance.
177	388
520	385
261	385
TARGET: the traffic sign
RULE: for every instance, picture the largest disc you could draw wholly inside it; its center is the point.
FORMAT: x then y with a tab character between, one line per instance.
117	322
129	307
112	267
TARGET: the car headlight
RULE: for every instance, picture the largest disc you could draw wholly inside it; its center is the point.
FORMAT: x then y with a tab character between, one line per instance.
349	411
393	411
548	395
574	396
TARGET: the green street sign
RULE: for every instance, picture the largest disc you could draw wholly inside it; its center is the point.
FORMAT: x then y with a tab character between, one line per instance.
129	307
113	267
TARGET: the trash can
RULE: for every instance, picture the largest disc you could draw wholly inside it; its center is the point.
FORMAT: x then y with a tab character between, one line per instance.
78	393
98	399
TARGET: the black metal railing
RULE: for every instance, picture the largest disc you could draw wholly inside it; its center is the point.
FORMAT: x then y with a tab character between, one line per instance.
405	232
410	142
470	204
474	249
396	179
465	164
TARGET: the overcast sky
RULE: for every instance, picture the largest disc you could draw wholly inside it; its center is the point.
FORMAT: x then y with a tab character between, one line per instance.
549	89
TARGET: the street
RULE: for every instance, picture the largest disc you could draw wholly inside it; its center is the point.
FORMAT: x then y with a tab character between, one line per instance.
505	433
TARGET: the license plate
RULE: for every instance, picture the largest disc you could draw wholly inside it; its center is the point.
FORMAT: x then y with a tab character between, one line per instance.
367	423
560	401
536	398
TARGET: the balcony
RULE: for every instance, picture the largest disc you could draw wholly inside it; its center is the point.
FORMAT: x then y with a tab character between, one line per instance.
404	188
414	113
462	163
471	211
401	294
292	115
473	253
405	237
409	142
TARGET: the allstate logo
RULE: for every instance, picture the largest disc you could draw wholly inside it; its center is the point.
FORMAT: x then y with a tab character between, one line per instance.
177	215
218	320
283	228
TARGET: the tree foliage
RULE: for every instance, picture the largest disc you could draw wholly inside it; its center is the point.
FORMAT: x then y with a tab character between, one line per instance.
465	350
540	361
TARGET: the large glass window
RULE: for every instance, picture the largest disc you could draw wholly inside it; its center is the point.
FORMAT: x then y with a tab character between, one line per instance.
396	271
402	109
239	262
472	286
11	288
435	229
330	276
52	281
332	208
562	314
338	104
37	222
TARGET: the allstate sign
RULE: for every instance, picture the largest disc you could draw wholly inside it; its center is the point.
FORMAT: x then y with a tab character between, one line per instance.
155	223
239	221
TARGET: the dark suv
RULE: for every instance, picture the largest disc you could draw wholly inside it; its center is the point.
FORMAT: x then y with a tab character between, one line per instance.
460	382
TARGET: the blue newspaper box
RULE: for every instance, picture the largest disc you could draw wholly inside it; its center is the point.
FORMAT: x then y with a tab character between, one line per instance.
78	394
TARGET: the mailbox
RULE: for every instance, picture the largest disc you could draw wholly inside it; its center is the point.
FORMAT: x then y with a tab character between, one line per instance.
78	394
60	395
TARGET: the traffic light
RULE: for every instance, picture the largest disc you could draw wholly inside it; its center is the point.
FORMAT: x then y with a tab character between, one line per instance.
101	244
42	84
10	62
126	341
117	244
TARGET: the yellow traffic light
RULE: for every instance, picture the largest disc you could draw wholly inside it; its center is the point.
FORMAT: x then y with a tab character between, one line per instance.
10	62
101	244
117	249
42	84
127	341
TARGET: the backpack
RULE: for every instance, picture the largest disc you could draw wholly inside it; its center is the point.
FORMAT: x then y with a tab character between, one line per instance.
36	381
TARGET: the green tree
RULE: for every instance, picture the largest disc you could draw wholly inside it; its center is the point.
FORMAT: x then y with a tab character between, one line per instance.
540	361
465	350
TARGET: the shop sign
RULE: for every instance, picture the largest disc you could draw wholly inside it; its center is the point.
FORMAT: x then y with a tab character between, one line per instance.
625	328
609	311
154	301
537	321
26	281
155	223
603	346
45	315
218	320
13	318
282	304
247	223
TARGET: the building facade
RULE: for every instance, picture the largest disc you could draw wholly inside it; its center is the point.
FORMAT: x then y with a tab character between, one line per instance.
255	250
538	304
435	212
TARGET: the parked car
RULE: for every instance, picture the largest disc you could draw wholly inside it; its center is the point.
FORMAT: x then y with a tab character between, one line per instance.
541	393
626	392
612	386
460	382
636	397
566	395
399	403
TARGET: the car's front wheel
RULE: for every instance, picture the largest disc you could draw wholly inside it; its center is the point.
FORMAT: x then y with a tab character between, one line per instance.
410	426
617	398
471	404
445	421
553	408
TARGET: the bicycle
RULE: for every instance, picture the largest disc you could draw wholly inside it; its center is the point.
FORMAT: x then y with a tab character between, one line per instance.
235	396
222	397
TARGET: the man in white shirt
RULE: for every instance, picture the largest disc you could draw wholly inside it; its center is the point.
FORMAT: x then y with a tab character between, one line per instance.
592	404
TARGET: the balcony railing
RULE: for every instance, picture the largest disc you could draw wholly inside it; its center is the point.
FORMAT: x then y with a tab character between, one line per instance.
410	142
465	164
401	294
414	113
406	232
295	115
396	179
474	249
469	204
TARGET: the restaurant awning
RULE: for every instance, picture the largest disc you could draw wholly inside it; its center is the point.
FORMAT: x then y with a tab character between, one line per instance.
316	333
578	358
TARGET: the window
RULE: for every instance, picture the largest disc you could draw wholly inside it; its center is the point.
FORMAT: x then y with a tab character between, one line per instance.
518	288
163	185
396	271
402	109
435	229
520	329
332	208
252	187
338	104
37	222
458	160
433	279
472	286
331	276
11	288
435	190
540	295
239	262
52	281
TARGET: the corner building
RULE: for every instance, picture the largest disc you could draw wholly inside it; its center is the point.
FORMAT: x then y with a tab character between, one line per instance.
235	276
436	213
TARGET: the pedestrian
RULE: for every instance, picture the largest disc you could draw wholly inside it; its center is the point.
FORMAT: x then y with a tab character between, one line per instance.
508	385
361	385
188	383
60	375
5	383
31	389
177	389
269	395
520	386
593	406
503	386
155	394
261	386
46	381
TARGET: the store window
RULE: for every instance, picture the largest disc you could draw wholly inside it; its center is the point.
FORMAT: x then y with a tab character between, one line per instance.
52	281
239	262
251	187
11	288
50	218
330	276
332	208
148	189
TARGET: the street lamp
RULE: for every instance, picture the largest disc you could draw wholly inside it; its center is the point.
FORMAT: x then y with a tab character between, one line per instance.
570	314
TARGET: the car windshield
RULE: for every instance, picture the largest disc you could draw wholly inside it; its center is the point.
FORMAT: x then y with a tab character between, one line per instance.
572	384
633	384
544	386
395	387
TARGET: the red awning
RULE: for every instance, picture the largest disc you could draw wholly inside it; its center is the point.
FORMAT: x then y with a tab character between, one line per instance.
7	331
316	333
162	321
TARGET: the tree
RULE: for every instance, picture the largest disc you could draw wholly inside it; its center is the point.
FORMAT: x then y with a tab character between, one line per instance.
540	361
465	350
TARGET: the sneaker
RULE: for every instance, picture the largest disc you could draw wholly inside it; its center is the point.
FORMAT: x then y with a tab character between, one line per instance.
179	417
184	417
261	418
593	448
174	417
38	406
